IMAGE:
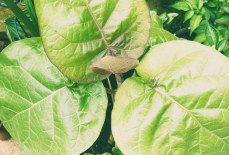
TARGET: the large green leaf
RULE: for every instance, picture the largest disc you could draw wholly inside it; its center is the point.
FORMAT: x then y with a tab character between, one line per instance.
179	105
42	111
78	33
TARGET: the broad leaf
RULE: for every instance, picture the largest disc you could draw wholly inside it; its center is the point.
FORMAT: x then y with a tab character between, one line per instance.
179	105
78	33
42	111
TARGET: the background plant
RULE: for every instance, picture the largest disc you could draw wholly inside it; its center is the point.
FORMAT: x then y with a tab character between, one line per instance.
198	20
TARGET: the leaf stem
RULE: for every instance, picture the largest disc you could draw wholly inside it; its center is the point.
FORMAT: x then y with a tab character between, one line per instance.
119	79
110	87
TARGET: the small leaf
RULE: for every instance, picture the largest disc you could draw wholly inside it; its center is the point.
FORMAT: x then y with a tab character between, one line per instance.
211	4
164	17
158	33
200	38
195	22
222	44
188	15
182	5
212	35
32	13
223	20
200	4
193	3
171	16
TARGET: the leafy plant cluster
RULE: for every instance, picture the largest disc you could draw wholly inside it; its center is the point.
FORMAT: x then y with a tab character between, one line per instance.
202	21
115	77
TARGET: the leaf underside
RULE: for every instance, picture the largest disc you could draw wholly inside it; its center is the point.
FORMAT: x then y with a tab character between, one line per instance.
178	105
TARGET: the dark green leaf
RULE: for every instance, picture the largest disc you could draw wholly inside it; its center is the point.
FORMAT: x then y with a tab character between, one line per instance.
223	20
211	4
22	16
31	11
13	29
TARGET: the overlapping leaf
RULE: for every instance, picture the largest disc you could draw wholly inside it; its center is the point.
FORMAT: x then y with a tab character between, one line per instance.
76	34
40	108
179	105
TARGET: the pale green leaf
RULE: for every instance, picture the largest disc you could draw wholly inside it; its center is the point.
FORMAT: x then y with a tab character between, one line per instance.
181	5
200	3
212	35
43	112
195	22
188	15
78	33
158	33
178	105
222	44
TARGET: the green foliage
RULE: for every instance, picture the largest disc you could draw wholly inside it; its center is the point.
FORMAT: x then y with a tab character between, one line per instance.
41	109
208	20
28	22
174	102
22	24
115	33
158	34
178	105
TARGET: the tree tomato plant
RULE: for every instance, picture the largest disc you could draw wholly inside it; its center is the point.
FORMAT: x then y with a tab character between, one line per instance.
75	90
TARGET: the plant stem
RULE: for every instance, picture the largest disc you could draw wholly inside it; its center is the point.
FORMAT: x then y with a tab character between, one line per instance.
110	87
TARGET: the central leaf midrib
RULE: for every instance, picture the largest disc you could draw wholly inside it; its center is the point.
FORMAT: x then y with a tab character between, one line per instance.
166	95
37	103
97	25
